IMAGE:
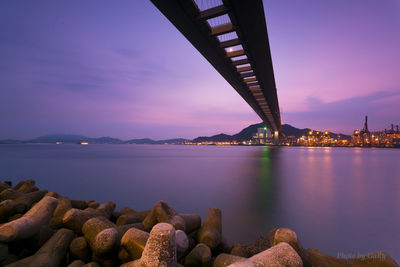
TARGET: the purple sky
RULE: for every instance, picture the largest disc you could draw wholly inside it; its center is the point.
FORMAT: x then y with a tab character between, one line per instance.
121	69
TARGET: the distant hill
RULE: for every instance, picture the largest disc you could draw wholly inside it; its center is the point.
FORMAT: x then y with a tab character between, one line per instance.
11	141
244	135
248	132
71	138
155	142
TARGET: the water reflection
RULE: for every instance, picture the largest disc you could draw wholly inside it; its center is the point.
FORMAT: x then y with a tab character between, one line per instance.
336	199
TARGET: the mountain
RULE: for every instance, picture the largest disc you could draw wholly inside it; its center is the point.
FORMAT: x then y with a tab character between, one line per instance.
214	138
155	142
248	132
10	141
244	135
71	138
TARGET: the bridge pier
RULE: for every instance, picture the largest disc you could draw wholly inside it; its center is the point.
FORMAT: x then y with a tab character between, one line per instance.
275	138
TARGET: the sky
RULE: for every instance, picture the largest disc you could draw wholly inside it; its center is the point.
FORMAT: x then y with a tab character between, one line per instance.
121	69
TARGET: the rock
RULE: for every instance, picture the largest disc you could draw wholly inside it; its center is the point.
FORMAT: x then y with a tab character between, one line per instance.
106	209
10	259
124	256
93	204
192	237
199	256
211	231
52	253
76	263
101	235
29	224
27	187
92	264
243	250
80	249
109	260
132	217
160	249
182	243
134	241
224	259
74	219
15	216
44	234
246	263
162	212
79	204
21	183
9	193
64	205
281	254
3	186
192	222
19	204
53	194
3	251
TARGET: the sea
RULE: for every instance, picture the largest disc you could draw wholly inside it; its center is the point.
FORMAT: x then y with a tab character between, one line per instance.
342	201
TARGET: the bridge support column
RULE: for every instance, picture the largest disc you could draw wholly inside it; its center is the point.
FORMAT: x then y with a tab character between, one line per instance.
275	139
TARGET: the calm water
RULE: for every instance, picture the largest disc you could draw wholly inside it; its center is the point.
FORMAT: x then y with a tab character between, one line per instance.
336	199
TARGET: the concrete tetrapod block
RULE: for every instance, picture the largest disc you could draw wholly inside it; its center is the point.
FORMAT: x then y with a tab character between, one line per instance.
182	243
3	186
106	209
223	260
21	183
20	204
280	255
162	212
76	263
124	256
92	264
64	205
93	204
29	224
80	249
101	235
51	254
53	194
9	193
211	231
199	256
74	219
79	204
134	241
3	251
27	187
132	217
278	235
192	222
160	249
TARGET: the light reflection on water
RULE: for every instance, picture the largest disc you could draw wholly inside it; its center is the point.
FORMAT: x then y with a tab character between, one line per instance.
336	199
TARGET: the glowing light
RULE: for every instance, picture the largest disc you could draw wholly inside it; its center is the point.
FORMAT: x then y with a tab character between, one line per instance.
230	49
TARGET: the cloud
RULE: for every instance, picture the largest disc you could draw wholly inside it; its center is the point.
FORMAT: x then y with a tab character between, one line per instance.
348	114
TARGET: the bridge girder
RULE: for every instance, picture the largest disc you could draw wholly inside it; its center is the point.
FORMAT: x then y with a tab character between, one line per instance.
243	59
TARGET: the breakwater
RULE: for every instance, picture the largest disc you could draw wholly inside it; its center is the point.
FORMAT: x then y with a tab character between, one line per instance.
41	228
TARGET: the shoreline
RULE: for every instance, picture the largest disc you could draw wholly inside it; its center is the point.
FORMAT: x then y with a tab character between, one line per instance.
90	232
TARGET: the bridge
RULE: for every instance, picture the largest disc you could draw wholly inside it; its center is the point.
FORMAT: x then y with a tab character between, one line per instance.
232	36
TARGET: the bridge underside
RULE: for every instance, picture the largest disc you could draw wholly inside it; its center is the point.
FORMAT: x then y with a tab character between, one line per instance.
232	36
